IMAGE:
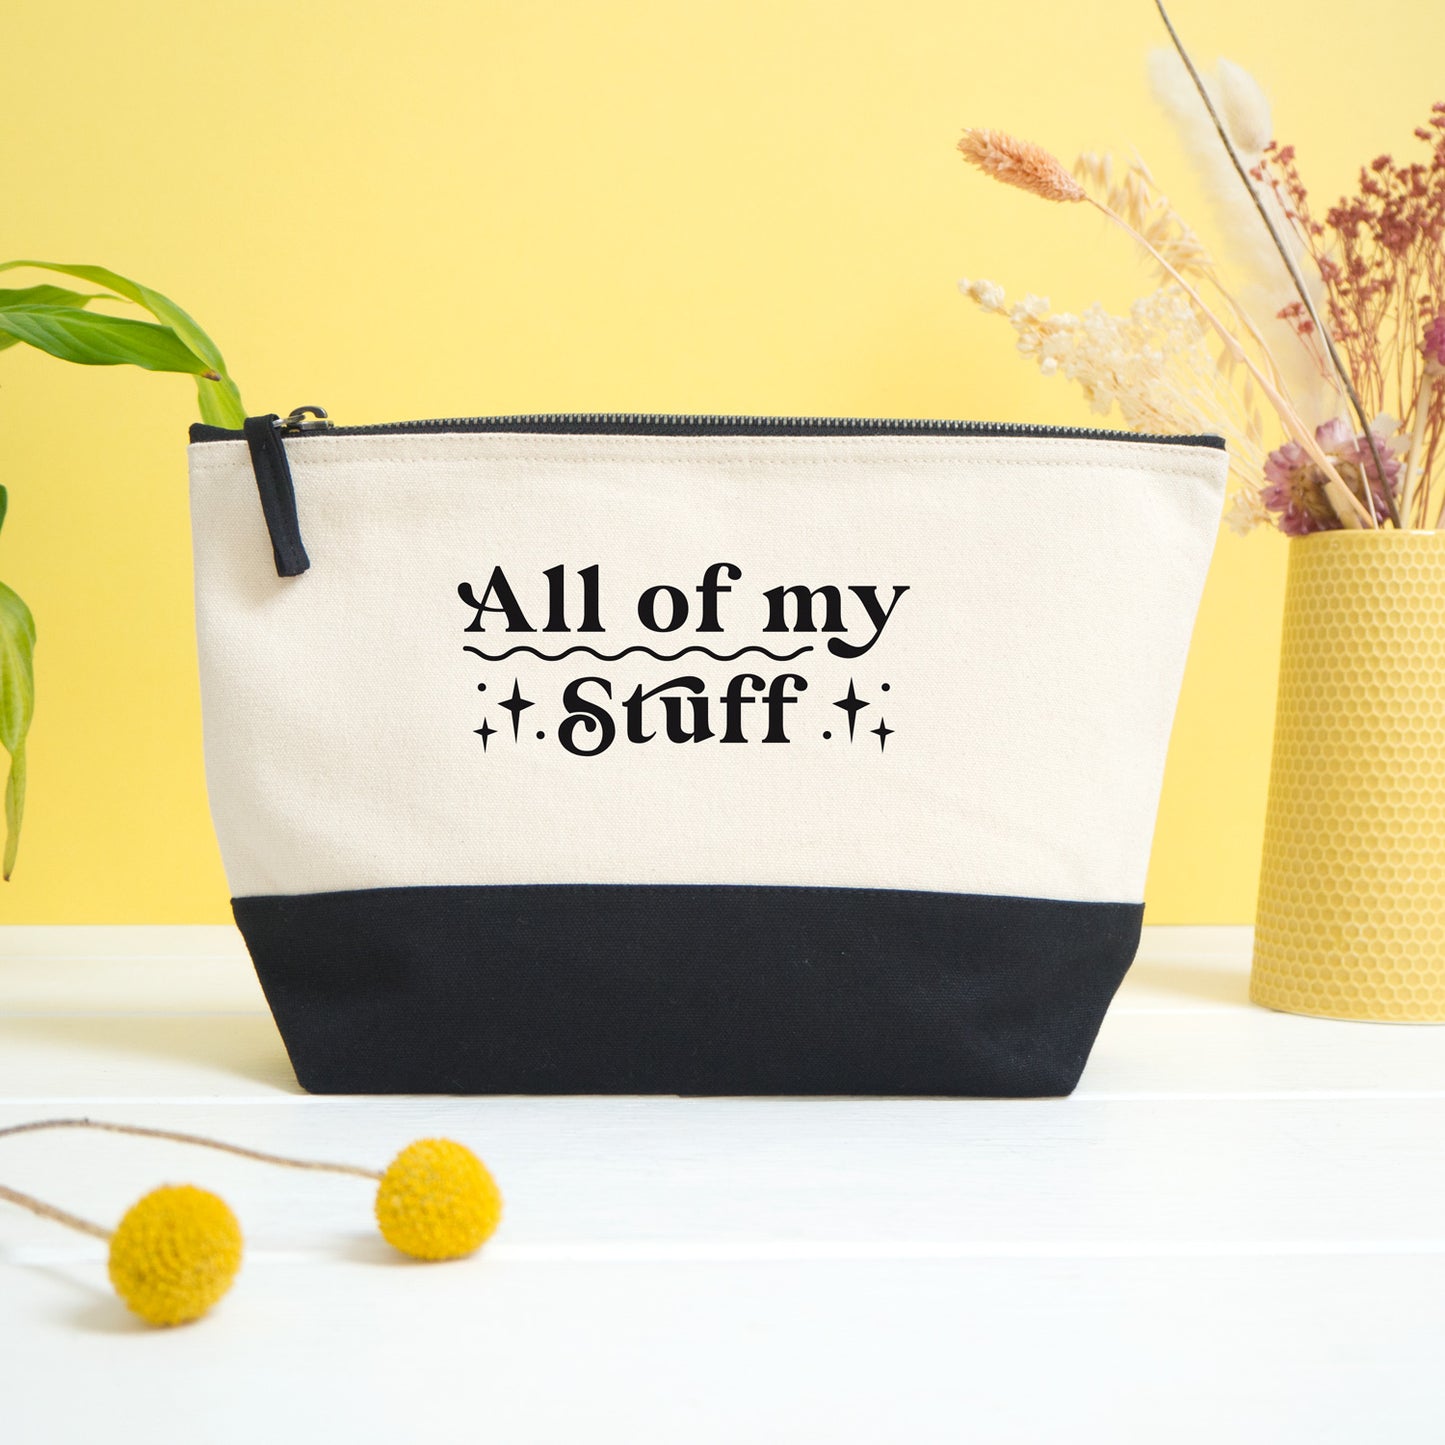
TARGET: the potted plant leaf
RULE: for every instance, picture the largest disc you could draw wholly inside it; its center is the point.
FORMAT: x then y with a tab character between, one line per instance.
68	324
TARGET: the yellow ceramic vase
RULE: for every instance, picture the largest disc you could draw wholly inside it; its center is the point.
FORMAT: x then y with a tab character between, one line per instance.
1351	917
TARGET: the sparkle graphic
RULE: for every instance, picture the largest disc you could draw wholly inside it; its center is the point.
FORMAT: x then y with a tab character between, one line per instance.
882	732
486	732
852	705
516	705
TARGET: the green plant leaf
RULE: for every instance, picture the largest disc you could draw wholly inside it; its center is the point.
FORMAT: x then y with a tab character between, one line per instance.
17	707
49	296
90	338
220	401
14	810
161	307
54	319
43	296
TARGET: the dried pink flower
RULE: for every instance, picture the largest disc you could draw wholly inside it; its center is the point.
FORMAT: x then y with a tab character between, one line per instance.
1295	486
1434	344
1294	492
1380	252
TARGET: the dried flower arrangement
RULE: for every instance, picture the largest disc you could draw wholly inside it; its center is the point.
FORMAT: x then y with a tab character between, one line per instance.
177	1250
1336	324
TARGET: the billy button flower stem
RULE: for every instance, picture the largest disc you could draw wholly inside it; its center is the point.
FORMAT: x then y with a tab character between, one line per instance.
51	1212
1290	265
1031	168
140	1132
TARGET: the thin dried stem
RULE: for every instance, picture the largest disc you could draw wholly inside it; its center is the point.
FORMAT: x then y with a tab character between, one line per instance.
1414	459
1294	273
49	1211
140	1132
1203	261
1286	411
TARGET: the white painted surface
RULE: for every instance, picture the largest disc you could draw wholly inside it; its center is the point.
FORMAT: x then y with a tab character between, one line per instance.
1234	1231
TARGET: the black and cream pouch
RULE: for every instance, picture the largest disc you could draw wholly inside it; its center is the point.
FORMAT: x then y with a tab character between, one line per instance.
691	754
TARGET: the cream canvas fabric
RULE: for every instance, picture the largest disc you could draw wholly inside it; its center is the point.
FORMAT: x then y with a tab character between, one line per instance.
1025	676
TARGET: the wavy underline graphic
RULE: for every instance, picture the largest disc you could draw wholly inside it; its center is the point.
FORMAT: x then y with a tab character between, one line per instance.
660	656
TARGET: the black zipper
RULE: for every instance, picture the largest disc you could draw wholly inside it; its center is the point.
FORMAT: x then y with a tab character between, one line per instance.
266	437
313	421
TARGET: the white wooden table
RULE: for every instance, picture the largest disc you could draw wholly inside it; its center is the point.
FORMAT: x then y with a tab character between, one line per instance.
1233	1232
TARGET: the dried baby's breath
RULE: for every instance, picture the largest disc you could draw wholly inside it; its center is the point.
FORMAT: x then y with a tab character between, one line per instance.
1152	366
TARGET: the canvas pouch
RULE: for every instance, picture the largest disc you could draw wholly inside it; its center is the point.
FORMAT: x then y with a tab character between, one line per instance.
703	755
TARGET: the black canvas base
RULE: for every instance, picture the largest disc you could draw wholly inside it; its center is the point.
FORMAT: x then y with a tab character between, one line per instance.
604	989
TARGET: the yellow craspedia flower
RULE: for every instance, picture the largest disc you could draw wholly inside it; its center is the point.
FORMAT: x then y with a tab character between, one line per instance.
437	1200
175	1253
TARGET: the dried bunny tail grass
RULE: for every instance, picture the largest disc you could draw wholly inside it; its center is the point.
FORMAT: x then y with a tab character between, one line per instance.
1296	276
1244	106
1262	281
1019	163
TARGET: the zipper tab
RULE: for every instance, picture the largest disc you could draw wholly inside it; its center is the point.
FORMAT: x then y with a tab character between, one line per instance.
304	419
273	481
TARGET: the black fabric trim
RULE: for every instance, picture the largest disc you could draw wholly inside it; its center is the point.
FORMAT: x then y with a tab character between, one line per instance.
687	990
278	495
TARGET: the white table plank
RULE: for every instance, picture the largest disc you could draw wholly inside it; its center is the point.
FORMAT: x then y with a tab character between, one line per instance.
755	1178
126	970
1185	1351
142	1055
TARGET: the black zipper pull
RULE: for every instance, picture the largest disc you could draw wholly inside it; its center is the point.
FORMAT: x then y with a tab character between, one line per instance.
264	436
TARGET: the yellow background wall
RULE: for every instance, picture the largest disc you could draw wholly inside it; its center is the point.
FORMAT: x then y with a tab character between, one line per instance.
401	210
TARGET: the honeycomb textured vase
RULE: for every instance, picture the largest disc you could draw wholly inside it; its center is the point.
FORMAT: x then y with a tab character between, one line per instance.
1351	919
